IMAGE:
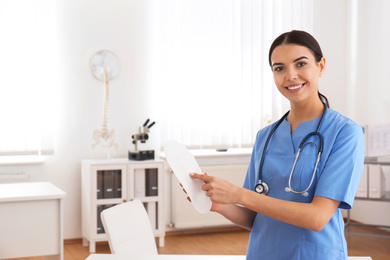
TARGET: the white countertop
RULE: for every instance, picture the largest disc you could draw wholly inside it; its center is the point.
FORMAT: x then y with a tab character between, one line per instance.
23	191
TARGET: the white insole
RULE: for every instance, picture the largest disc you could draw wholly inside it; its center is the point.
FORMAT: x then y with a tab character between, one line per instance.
182	163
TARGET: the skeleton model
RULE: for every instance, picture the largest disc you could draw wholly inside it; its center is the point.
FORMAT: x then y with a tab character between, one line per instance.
104	136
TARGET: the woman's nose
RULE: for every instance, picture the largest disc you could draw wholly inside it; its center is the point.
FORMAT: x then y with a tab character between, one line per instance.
292	74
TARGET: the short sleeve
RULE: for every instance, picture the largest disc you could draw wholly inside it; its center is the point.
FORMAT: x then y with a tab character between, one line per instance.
344	166
249	182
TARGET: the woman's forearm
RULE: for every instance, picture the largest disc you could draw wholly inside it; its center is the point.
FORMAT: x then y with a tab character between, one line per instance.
313	216
240	216
226	196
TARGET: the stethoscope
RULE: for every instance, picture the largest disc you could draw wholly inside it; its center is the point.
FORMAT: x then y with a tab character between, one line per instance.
261	187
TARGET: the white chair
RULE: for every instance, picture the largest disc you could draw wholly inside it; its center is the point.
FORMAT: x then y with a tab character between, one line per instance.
128	229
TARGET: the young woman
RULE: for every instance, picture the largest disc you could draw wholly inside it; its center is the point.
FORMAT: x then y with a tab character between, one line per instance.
303	170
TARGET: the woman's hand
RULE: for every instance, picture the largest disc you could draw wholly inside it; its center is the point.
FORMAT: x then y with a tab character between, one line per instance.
224	196
219	190
216	207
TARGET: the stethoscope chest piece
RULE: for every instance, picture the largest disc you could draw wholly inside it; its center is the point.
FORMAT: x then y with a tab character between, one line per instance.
261	188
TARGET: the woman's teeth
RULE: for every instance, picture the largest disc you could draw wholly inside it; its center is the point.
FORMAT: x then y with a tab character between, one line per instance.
295	87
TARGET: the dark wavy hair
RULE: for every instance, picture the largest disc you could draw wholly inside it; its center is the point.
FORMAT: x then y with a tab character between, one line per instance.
301	38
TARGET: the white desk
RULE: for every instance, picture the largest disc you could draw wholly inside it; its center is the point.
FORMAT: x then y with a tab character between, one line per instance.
186	257
166	257
31	220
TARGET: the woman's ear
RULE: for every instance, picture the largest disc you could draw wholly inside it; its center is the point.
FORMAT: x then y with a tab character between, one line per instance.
322	66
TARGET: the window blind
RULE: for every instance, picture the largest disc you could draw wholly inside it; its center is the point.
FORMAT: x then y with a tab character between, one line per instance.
217	88
29	76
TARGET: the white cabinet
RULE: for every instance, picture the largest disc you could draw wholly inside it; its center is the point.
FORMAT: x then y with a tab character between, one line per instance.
31	220
371	189
106	183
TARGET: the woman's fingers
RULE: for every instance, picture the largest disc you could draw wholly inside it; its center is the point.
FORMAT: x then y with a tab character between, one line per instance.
204	177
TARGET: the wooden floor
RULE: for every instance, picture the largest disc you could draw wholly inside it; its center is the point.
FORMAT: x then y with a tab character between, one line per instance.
234	243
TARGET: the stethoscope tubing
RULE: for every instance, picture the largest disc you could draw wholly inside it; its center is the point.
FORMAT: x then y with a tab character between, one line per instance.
301	146
304	192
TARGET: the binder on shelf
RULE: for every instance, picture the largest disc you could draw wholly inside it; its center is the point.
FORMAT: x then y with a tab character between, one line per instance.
99	180
108	185
100	208
117	183
151	208
376	182
99	228
151	182
362	190
139	183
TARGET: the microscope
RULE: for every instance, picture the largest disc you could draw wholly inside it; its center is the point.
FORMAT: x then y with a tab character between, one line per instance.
142	136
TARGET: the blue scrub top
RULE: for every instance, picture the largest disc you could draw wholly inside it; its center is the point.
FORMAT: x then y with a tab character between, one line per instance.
337	177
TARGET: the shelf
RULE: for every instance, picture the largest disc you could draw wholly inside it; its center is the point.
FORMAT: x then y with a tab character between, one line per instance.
108	201
347	232
376	160
106	183
365	187
385	198
148	199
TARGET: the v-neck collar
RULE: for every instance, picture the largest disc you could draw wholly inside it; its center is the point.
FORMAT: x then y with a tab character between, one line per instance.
299	133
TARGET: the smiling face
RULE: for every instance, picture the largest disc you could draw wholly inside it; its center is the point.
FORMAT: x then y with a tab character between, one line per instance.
296	72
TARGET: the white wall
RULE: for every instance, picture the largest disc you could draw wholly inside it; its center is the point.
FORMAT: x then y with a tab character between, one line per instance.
330	29
126	28
372	92
372	88
362	95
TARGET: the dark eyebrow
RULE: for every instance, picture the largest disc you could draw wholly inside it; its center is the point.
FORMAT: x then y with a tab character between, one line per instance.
277	64
301	58
298	59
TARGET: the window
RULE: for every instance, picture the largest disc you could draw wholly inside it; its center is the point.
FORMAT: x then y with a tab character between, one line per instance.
29	76
217	87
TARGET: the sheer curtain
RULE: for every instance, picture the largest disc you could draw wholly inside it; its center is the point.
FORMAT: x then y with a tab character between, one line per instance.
216	85
29	74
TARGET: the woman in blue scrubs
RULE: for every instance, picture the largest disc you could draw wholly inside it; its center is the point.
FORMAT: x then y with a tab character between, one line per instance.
286	223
